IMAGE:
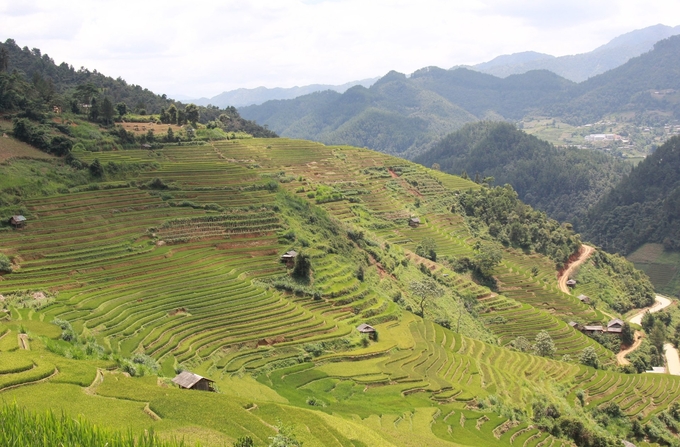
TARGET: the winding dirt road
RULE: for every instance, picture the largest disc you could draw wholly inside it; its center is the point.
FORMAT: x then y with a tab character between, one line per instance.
585	252
672	357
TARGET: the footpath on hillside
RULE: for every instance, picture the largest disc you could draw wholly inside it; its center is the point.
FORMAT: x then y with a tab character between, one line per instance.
584	253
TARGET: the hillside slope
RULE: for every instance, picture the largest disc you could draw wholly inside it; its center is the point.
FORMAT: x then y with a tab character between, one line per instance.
644	207
564	182
178	267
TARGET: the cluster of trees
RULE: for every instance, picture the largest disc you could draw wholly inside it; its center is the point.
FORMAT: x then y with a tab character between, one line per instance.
644	207
41	136
32	84
563	182
515	224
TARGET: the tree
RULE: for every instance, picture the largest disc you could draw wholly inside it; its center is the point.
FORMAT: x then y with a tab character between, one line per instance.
96	168
521	344
589	357
544	345
244	441
284	438
107	110
488	256
181	117
192	114
647	322
4	59
5	264
658	335
171	135
172	114
164	117
303	266
427	249
121	107
627	335
425	290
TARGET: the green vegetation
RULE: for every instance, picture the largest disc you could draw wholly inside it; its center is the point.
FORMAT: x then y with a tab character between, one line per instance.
163	260
662	267
21	428
563	182
615	281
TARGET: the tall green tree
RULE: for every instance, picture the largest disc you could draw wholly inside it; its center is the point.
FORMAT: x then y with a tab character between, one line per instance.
107	110
172	114
192	114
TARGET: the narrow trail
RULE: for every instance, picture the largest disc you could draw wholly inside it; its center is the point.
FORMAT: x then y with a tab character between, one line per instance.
585	252
621	356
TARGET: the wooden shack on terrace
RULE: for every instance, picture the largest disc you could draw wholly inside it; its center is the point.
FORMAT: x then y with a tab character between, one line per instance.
191	381
289	258
367	329
584	299
17	221
414	222
615	326
571	283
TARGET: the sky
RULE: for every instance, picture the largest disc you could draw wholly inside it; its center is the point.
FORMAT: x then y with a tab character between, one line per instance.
201	48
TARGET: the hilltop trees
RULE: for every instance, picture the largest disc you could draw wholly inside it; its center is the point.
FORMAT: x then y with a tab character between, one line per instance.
515	224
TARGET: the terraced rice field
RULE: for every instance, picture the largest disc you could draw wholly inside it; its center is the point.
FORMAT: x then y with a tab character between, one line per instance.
182	273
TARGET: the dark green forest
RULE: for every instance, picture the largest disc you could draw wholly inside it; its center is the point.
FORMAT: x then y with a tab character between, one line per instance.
563	182
644	207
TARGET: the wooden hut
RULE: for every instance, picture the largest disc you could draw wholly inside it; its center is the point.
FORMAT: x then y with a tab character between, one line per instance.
593	329
289	258
414	222
17	221
584	299
191	381
367	329
571	283
615	326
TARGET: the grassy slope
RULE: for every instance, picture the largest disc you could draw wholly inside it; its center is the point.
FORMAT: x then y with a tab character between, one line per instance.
199	302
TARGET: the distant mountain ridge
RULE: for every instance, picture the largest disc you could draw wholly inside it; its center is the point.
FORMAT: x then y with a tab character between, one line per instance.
580	67
255	96
405	116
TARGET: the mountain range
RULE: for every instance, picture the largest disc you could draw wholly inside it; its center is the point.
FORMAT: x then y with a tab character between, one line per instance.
253	96
405	116
579	67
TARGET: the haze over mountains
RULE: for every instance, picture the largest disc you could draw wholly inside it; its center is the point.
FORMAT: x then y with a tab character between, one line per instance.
405	115
253	96
579	67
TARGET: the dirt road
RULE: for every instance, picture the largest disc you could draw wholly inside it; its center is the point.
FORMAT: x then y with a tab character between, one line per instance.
586	251
661	303
621	356
672	358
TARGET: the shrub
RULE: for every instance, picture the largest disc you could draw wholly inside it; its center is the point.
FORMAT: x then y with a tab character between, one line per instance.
5	264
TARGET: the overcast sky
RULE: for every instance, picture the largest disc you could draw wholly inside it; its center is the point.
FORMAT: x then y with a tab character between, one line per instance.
202	47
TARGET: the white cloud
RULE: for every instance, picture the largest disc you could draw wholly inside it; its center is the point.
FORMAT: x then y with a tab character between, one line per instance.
204	47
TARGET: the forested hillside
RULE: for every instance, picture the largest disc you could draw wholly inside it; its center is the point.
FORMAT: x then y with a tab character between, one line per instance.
65	87
644	207
564	182
405	116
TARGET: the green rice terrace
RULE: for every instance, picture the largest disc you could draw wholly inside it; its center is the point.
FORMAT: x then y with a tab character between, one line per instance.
118	284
